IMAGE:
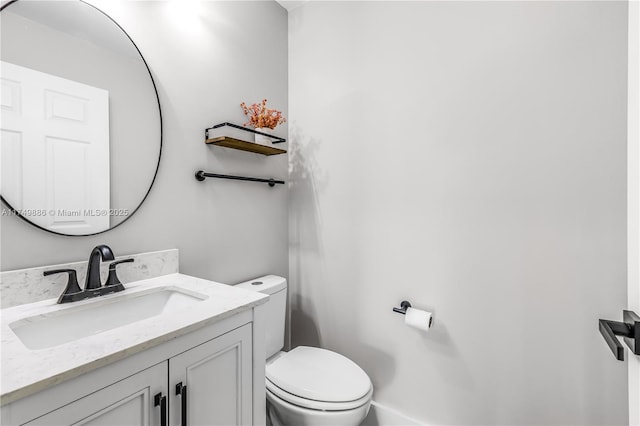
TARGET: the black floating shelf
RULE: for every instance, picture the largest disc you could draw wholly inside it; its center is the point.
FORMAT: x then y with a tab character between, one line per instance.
201	175
243	145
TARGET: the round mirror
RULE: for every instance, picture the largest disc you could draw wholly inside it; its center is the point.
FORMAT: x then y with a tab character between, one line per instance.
81	126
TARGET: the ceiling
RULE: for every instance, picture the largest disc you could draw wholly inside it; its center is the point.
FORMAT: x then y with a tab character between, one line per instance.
291	4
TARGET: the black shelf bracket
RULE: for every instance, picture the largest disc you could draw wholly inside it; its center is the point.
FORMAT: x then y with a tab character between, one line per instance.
276	139
629	329
201	175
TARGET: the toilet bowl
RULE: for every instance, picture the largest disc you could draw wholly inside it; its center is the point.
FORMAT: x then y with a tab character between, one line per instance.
307	386
313	386
282	413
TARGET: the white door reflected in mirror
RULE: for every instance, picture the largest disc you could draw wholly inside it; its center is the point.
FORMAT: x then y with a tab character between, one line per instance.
55	150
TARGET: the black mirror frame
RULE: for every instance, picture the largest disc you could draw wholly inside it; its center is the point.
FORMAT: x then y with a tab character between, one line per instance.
155	175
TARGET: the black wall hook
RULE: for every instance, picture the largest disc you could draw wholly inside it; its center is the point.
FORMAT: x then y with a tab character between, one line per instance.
629	329
404	305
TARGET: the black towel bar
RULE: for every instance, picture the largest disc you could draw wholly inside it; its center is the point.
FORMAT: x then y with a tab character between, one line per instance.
201	175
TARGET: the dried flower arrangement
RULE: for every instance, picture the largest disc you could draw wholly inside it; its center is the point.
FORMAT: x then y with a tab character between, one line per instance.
262	117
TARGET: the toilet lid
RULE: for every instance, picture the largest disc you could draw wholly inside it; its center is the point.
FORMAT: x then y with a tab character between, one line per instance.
318	374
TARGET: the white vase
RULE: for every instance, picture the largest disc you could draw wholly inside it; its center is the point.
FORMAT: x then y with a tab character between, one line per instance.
261	139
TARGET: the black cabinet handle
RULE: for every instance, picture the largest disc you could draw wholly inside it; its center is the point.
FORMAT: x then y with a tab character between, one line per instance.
182	391
160	400
629	329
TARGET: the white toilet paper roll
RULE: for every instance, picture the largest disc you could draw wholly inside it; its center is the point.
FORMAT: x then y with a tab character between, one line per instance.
418	318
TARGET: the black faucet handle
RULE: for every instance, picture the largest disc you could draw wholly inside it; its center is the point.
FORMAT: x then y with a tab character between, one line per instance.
72	282
113	279
117	262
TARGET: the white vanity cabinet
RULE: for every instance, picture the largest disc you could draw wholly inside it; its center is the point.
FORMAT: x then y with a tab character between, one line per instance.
216	376
217	379
127	402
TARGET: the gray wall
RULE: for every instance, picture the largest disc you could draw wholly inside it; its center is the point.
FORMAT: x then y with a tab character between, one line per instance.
468	157
205	63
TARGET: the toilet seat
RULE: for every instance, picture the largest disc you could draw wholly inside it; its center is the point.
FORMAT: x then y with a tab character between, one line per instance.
318	379
311	404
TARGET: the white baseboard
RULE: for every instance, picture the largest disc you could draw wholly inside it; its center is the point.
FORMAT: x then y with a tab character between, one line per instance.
379	415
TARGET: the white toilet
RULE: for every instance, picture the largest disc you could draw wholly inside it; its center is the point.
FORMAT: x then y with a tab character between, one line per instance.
307	386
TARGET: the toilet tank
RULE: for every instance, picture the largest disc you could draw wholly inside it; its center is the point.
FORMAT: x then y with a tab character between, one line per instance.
276	306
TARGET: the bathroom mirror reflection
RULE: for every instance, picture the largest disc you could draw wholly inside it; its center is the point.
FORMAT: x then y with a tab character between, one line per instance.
81	129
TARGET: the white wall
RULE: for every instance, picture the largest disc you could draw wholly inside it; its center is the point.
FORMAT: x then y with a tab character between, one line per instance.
206	60
633	200
469	157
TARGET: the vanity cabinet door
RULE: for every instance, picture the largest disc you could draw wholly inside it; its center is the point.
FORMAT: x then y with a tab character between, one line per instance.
127	402
218	380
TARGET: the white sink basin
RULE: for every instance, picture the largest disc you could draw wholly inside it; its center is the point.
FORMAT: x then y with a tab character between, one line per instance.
98	315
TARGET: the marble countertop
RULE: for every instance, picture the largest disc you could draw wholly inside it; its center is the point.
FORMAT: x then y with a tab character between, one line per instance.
26	371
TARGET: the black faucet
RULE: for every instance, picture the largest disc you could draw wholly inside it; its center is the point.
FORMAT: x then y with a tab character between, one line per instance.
99	253
93	286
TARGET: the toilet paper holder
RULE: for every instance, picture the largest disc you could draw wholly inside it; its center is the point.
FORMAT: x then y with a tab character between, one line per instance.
404	305
415	317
